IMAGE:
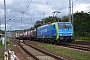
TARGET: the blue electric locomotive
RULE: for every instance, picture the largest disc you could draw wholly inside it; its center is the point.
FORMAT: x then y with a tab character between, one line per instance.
56	32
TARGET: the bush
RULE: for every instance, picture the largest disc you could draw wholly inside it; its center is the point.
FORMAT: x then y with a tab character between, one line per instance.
7	42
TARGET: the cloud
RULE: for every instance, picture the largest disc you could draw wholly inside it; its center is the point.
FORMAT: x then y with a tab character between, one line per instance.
35	11
8	2
2	26
81	7
43	8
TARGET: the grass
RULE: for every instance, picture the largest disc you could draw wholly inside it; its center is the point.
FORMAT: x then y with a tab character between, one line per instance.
73	54
1	51
82	39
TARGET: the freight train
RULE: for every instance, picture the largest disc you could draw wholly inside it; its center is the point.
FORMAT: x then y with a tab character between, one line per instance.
57	32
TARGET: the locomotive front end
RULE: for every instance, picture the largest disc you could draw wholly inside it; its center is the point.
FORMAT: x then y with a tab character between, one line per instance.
65	31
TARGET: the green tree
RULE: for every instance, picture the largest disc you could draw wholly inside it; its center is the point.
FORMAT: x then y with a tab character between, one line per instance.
65	18
81	24
2	32
37	24
47	19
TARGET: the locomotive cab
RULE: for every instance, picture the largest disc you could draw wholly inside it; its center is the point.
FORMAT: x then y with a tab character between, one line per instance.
64	31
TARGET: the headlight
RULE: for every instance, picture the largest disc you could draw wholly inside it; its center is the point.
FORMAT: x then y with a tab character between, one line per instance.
65	29
71	34
60	34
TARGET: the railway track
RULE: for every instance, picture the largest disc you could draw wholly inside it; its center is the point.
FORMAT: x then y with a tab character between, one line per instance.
38	54
84	48
78	47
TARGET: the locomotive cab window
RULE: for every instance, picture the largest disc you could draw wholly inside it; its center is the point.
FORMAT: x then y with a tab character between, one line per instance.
64	25
61	25
68	25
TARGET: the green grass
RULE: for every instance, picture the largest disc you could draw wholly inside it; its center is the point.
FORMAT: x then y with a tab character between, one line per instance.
69	53
82	39
1	51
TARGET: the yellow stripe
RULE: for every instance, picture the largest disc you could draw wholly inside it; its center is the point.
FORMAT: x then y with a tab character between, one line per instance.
57	32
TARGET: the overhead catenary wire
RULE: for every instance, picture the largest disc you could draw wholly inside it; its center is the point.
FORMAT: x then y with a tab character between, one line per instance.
22	12
67	5
28	5
70	11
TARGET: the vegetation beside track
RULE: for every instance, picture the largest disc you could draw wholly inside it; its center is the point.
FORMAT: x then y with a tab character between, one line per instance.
12	46
73	54
1	51
2	48
86	39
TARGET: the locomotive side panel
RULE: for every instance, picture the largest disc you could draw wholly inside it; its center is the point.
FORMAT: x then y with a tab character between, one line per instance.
45	31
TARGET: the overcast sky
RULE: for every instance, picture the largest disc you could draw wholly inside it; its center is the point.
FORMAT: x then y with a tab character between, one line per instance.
24	13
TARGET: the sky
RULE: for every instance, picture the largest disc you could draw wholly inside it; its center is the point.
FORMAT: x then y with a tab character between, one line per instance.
22	14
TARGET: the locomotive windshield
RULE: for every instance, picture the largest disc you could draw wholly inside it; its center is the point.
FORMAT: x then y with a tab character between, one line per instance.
64	25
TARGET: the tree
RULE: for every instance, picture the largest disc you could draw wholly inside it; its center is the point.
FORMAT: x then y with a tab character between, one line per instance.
47	19
65	18
81	24
2	32
37	24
